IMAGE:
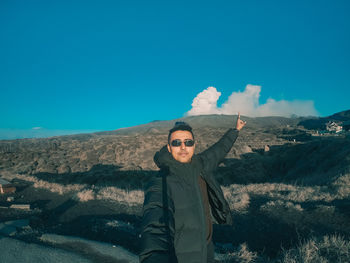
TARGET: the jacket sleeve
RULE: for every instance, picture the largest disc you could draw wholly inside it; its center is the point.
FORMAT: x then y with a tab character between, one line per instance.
216	153
157	224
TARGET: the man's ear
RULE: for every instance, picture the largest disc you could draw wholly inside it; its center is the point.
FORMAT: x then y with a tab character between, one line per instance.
169	148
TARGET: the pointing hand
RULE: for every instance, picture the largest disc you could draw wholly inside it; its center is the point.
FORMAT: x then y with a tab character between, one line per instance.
240	124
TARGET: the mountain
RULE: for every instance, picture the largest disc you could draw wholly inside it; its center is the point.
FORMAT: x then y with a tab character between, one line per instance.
132	148
203	121
341	116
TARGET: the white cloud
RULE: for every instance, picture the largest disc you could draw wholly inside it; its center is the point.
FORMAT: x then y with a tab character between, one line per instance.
247	103
205	102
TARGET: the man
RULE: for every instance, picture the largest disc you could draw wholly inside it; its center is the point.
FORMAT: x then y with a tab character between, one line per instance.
181	202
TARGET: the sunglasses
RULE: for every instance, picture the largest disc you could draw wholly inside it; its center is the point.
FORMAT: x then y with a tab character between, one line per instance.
177	143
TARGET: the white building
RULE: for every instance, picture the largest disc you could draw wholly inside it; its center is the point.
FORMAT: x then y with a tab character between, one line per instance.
333	127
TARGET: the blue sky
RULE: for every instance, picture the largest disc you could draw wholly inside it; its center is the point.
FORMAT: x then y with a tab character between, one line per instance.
74	66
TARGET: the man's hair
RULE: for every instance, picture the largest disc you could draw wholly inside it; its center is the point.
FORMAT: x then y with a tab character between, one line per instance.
180	126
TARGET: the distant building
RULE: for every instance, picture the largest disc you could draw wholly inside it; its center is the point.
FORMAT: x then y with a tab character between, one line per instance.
6	187
332	126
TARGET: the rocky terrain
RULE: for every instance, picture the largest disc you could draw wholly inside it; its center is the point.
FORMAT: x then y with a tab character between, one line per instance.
285	183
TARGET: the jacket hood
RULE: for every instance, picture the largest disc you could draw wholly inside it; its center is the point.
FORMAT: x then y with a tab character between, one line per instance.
163	158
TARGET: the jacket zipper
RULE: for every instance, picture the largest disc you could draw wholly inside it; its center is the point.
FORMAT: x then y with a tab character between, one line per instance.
203	228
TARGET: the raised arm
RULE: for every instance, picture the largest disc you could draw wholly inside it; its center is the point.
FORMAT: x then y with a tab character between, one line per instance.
217	152
157	234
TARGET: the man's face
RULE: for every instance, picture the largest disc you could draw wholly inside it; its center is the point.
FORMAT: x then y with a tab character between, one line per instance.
181	153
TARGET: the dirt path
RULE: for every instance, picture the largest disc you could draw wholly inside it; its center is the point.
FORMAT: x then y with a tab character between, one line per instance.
57	248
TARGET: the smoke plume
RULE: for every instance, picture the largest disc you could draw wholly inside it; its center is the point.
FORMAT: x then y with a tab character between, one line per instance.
247	103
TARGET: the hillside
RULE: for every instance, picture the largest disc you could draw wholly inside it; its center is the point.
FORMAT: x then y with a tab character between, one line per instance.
132	148
284	184
320	123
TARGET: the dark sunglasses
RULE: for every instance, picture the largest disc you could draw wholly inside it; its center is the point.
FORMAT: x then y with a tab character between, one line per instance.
177	143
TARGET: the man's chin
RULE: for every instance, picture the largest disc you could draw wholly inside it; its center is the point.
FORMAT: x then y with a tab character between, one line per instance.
184	160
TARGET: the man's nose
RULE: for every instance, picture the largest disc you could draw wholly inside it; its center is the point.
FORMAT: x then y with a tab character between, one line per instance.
183	146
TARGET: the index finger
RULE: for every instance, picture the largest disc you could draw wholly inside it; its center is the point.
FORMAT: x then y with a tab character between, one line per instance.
239	115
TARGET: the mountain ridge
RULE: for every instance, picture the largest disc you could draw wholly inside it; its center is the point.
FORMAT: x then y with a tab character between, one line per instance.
320	123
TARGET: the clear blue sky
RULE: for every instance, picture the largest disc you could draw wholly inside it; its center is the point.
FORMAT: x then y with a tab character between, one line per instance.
102	65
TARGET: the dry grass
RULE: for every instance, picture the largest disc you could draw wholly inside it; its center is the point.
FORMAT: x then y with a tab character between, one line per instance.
326	249
330	249
296	206
84	193
121	195
240	255
115	194
239	195
280	214
53	187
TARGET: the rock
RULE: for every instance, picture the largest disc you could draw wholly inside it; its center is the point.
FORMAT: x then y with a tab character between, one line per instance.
266	148
246	149
10	199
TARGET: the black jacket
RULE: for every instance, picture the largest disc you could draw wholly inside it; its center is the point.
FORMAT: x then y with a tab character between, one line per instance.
173	224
